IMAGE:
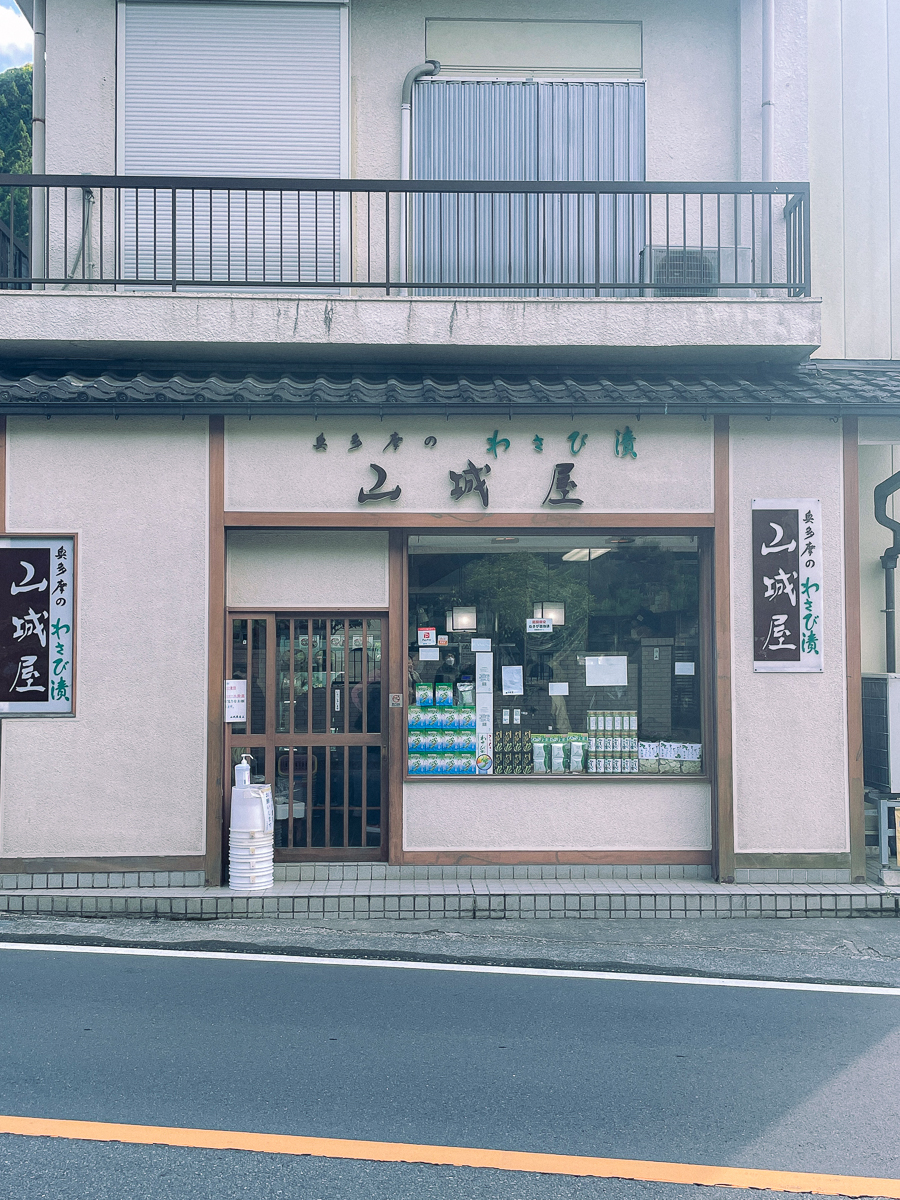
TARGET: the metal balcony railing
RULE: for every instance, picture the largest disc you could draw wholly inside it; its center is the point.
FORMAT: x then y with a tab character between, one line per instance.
413	238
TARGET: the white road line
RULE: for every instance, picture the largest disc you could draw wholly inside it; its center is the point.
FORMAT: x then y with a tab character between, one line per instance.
464	968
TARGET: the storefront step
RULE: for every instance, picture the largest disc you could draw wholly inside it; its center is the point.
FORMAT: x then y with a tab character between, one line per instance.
472	899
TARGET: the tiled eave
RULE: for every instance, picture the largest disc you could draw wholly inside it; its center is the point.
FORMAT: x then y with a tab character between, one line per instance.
828	391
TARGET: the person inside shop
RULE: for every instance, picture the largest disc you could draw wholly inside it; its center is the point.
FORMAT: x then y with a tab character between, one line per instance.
412	675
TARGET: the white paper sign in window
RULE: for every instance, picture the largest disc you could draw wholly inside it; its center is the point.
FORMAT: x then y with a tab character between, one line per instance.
606	670
235	700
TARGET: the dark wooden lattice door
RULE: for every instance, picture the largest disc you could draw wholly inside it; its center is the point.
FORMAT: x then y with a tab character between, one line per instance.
316	728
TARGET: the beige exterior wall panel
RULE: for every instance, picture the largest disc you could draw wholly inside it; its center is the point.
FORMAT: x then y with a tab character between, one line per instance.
127	774
301	569
790	730
81	87
271	465
494	815
691	58
256	327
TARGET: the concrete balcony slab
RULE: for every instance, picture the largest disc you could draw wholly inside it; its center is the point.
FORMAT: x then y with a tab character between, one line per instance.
164	326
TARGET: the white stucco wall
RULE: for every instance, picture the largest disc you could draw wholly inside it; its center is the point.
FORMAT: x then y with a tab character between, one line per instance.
299	568
692	53
127	774
495	815
691	64
789	730
270	464
81	87
854	132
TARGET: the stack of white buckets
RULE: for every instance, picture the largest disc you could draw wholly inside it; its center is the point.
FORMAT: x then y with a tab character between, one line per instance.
251	840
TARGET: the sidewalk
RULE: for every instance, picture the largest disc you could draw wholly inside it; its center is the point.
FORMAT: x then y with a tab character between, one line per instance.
464	898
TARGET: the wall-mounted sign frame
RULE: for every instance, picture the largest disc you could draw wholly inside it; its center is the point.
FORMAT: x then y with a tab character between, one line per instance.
788	586
37	625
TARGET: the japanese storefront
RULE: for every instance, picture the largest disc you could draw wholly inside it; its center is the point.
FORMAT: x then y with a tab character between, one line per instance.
544	636
451	640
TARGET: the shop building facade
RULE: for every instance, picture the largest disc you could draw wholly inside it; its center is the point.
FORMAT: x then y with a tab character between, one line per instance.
462	509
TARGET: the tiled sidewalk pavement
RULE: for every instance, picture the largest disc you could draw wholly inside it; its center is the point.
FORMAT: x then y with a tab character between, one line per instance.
468	898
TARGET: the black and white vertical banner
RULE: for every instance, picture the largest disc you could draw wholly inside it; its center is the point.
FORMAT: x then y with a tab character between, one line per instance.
788	585
37	625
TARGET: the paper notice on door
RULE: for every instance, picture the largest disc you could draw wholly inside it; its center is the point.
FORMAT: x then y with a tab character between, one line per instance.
484	673
235	700
513	681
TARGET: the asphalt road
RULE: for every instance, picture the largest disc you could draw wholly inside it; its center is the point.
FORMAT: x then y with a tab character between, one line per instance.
783	1080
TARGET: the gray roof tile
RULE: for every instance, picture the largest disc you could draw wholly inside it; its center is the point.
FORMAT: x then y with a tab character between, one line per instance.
833	390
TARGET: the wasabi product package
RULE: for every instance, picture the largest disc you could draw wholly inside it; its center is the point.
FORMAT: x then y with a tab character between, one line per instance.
463	741
577	753
558	757
538	750
416	717
424	694
465	718
466	693
443	694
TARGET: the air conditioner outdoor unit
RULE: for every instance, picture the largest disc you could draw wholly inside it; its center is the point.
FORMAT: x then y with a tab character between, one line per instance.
881	732
696	270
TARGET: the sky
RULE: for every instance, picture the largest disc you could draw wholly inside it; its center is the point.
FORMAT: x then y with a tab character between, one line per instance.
15	36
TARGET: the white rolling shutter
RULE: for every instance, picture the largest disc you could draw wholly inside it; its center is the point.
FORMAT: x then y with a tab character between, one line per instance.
499	130
232	89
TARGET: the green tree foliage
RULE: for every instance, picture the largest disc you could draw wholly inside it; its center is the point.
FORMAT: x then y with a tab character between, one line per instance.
15	140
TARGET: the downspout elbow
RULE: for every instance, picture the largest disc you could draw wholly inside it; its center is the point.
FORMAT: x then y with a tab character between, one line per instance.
430	67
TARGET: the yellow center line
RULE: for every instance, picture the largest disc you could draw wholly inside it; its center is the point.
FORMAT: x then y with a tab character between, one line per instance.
457	1156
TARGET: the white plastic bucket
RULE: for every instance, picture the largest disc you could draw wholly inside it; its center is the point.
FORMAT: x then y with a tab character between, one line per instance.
251	843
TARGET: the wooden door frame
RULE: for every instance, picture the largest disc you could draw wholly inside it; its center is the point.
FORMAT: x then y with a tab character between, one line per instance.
310	854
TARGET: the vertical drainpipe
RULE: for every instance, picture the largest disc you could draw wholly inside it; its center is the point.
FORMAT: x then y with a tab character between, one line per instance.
768	90
768	132
39	137
430	67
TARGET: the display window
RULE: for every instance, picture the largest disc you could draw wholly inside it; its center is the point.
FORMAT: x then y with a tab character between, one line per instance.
555	654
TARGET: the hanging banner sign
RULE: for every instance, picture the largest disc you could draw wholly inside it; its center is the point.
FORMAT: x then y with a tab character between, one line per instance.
37	625
787	585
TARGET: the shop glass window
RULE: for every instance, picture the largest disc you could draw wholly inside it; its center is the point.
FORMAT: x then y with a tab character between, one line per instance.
552	654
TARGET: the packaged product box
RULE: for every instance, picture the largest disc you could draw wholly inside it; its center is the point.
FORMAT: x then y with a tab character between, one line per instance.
614	766
415	717
558	750
577	753
424	694
669	766
691	751
443	694
632	720
616	747
419	764
667	750
464	718
592	764
464	742
618	723
539	758
691	766
466	694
